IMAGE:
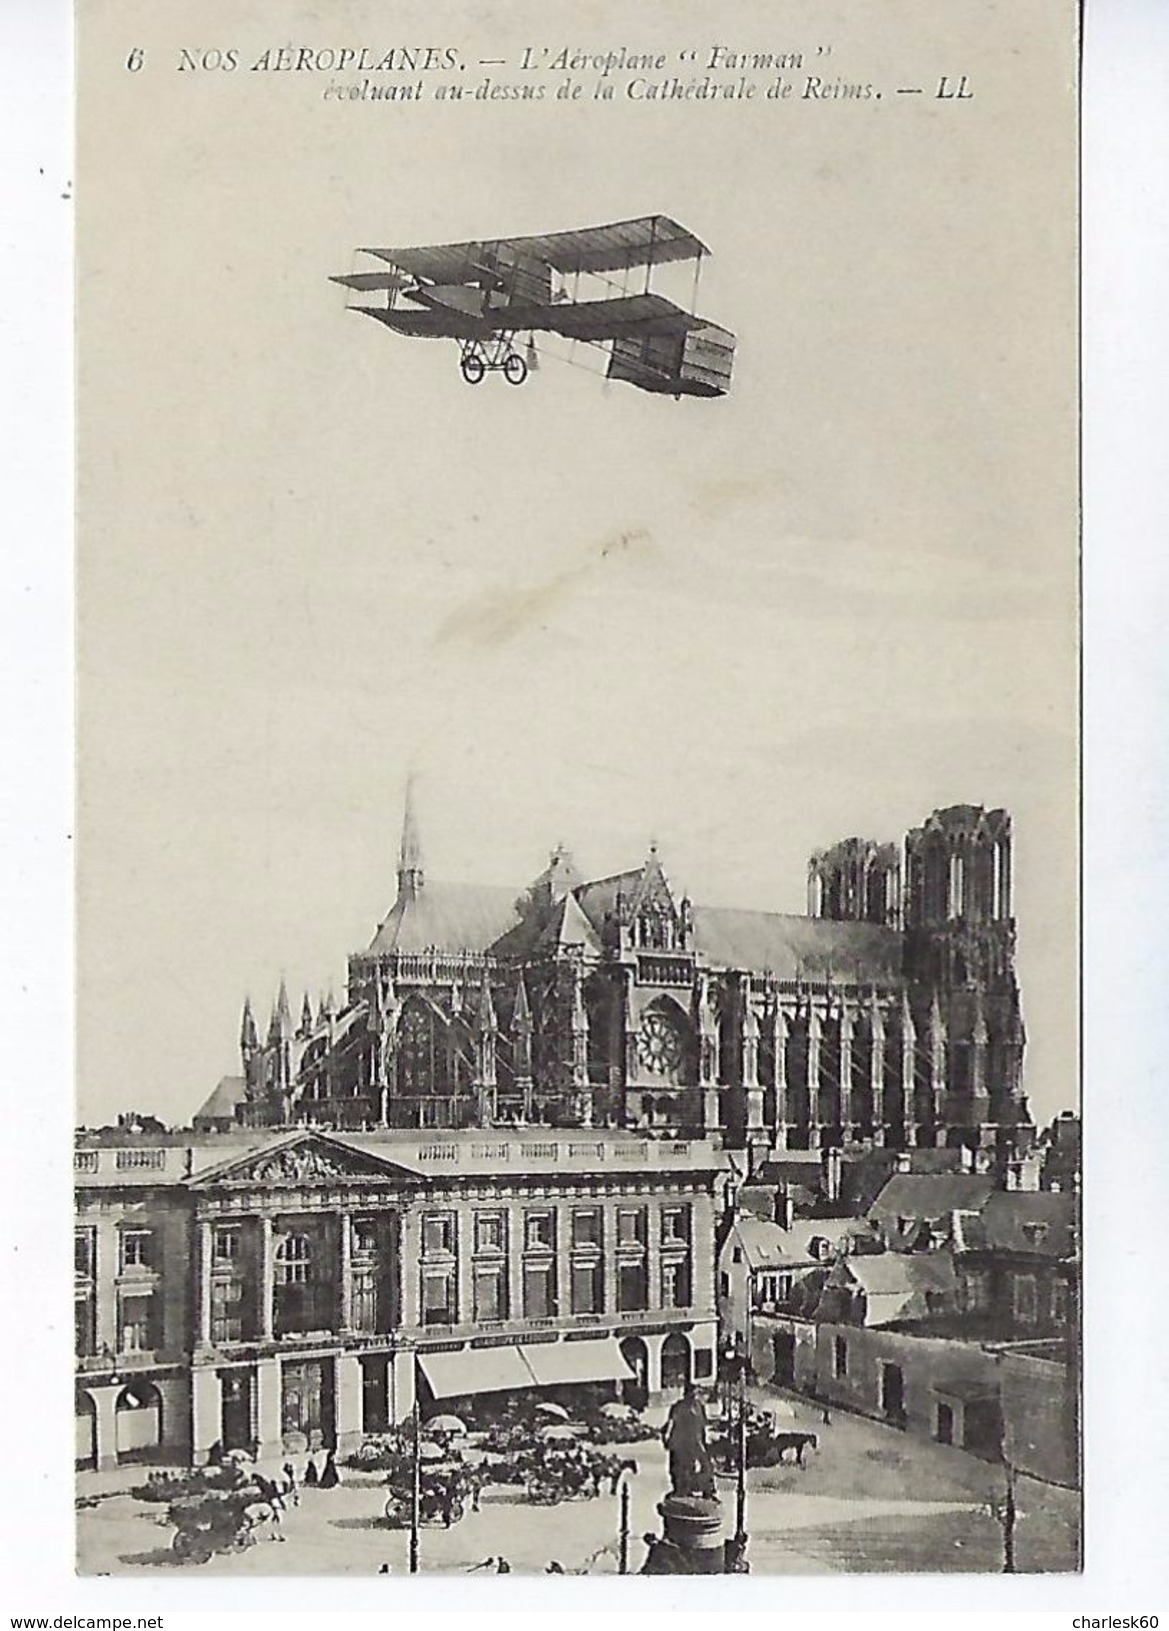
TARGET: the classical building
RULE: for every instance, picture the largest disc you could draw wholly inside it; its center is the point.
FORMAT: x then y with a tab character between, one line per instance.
235	1289
889	1015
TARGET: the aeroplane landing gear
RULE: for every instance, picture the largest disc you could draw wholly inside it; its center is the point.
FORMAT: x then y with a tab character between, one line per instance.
499	357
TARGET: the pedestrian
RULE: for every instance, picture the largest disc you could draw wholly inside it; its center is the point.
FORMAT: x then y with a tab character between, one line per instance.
385	1569
290	1488
827	1417
330	1477
502	1566
311	1477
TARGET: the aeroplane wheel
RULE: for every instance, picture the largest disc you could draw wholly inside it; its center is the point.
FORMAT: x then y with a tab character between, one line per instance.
515	369
473	369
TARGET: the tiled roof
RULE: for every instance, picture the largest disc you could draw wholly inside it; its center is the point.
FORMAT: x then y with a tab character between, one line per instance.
1031	1221
221	1102
897	1286
767	1246
929	1196
448	917
789	945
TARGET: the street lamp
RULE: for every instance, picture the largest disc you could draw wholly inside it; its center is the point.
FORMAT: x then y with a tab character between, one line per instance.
415	1488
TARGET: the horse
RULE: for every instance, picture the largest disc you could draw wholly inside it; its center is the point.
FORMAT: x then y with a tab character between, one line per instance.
797	1443
258	1513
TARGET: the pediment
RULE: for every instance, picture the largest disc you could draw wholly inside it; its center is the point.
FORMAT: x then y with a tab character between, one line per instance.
304	1159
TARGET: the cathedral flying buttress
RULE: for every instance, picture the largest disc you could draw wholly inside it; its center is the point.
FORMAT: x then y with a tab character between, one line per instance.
889	1014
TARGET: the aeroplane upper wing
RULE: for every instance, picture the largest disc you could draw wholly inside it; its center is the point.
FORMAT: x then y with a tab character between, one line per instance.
647	240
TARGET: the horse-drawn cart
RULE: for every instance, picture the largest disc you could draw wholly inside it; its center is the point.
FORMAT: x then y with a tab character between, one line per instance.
209	1523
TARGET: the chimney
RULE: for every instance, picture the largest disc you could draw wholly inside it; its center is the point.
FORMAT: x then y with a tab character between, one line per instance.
784	1209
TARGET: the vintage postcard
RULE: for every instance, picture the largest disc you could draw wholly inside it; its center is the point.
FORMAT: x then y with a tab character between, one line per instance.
577	651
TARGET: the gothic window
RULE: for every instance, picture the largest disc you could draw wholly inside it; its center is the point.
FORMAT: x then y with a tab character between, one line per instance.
664	1046
432	1057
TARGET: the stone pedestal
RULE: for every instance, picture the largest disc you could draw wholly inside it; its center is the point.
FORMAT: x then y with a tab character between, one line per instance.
692	1537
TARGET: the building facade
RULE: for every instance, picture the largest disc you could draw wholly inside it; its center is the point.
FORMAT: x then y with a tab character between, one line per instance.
889	1015
233	1290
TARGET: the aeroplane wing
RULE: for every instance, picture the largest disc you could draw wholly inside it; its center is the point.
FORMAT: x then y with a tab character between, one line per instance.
635	314
647	240
438	324
369	282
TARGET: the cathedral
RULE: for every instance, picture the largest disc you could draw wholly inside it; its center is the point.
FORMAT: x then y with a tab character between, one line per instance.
889	1015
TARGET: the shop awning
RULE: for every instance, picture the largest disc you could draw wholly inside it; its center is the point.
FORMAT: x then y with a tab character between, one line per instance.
477	1370
600	1360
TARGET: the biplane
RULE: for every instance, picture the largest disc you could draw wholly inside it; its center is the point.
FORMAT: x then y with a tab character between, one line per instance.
589	287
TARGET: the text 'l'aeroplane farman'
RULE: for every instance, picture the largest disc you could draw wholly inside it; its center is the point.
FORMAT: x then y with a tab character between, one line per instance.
573	285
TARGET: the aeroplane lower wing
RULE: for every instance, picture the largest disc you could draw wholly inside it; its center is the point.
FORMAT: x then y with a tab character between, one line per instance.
603	319
444	324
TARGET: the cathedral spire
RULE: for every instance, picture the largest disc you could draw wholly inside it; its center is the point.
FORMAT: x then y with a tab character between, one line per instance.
249	1038
282	1014
410	874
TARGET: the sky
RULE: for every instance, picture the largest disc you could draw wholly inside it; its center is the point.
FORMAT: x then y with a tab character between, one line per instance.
311	561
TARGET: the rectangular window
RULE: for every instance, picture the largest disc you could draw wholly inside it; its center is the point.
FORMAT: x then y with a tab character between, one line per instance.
489	1232
840	1357
83	1253
364	1236
364	1301
1026	1307
226	1311
438	1297
225	1246
586	1226
631	1287
539	1291
676	1225
136	1325
1059	1302
539	1231
137	1249
490	1292
587	1289
676	1284
84	1339
438	1234
631	1226
976	1291
724	1285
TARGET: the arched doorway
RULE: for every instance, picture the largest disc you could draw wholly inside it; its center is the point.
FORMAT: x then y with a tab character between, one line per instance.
676	1361
635	1389
138	1420
86	1430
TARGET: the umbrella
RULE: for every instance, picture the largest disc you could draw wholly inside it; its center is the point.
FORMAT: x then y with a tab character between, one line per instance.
618	1412
558	1433
446	1424
550	1409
